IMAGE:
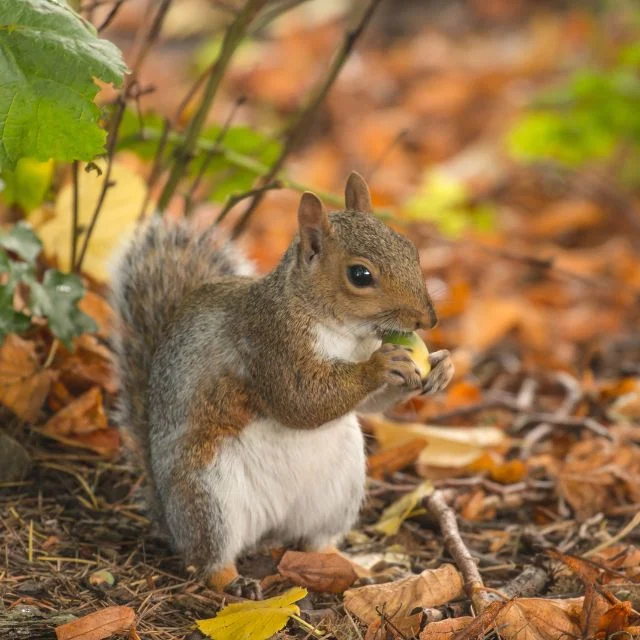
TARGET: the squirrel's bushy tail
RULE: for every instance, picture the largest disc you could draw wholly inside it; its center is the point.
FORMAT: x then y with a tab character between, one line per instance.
159	266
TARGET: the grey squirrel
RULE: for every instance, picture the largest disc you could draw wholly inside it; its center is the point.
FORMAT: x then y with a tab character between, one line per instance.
241	391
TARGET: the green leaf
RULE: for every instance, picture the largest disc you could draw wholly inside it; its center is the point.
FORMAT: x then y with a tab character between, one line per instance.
56	299
28	185
11	321
22	241
50	57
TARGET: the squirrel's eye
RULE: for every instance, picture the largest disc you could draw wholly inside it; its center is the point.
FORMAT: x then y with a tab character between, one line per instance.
359	275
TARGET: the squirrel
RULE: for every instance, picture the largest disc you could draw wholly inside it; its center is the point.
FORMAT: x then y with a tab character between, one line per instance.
241	391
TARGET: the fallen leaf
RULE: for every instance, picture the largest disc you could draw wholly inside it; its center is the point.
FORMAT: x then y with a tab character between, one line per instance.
431	588
257	620
396	513
90	364
98	625
489	319
466	627
615	620
446	629
566	216
322	572
395	458
24	384
540	619
448	447
98	308
118	216
83	423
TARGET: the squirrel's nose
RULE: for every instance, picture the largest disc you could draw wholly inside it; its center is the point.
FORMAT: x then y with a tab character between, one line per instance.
427	320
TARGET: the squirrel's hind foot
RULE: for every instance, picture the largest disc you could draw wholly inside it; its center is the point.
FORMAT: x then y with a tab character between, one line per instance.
244	587
228	580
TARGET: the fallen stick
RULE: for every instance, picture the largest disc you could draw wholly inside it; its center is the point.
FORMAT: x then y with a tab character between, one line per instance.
437	505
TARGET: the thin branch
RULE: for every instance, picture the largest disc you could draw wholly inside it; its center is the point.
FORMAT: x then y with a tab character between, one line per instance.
145	37
74	219
236	159
301	123
111	15
474	586
214	151
235	198
232	38
156	168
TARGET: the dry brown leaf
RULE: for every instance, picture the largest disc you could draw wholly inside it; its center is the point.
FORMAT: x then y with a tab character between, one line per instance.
395	458
98	625
446	629
540	619
89	365
431	588
98	308
449	447
83	423
24	385
323	572
489	319
464	628
566	216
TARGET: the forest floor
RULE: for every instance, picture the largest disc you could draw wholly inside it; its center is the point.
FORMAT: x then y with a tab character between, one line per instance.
536	284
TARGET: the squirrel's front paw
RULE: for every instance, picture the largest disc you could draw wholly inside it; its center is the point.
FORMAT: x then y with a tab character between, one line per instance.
395	367
244	587
441	372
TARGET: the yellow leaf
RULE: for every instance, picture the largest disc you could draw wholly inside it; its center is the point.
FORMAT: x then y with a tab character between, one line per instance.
448	447
397	512
253	620
117	218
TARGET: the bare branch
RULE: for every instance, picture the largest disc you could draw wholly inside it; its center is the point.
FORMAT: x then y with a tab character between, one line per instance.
436	505
232	38
304	116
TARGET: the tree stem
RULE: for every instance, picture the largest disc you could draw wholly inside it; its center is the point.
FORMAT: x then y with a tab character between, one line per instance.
232	38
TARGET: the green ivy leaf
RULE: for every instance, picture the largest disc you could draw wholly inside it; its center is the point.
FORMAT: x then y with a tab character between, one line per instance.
12	321
50	57
22	241
57	300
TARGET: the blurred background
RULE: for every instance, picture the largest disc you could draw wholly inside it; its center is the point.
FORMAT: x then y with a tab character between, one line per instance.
502	135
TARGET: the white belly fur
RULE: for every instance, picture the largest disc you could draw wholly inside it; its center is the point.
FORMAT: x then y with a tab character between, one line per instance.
290	485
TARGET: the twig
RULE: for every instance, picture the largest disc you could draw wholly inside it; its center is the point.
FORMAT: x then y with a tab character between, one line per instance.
235	198
232	38
156	168
74	219
213	152
375	167
436	504
146	37
530	582
301	123
625	531
111	15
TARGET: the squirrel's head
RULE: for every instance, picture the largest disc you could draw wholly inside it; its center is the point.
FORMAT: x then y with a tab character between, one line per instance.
358	270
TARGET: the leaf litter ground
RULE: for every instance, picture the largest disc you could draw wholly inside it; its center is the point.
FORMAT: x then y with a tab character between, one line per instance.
542	450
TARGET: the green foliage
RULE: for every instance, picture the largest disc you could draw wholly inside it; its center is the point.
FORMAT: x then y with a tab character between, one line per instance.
590	119
445	202
232	164
55	298
50	57
28	185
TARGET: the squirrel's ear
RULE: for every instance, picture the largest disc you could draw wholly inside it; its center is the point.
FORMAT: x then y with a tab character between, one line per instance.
313	224
356	194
